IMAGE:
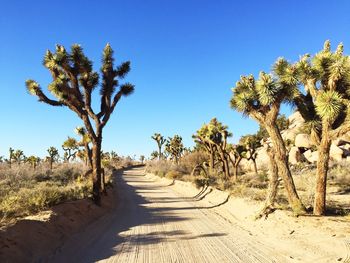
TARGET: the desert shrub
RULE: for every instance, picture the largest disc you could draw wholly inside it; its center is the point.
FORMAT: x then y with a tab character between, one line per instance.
24	191
159	167
173	174
190	160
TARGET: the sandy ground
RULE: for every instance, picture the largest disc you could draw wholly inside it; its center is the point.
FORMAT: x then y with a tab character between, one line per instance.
159	220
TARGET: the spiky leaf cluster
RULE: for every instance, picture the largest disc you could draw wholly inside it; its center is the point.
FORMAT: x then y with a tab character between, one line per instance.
73	80
326	80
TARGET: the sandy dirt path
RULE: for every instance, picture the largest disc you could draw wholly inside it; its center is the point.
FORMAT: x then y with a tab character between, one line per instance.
153	223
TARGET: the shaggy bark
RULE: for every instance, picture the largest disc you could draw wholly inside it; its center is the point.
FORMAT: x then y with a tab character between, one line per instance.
322	170
273	187
283	169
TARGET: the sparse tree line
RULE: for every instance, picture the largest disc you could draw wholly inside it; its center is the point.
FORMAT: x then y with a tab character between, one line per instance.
317	86
17	157
173	148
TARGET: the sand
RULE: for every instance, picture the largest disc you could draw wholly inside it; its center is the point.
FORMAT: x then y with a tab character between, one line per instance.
152	219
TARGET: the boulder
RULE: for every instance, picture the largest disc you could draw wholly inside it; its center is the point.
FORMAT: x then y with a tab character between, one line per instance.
262	159
295	120
289	134
336	153
311	156
303	140
340	142
314	157
346	146
294	156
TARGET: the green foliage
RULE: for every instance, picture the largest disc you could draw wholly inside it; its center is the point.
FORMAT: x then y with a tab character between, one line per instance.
53	154
175	147
24	191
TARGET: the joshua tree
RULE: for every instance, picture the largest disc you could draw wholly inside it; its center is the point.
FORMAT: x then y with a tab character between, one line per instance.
325	106
11	151
160	141
33	160
239	152
18	156
175	148
53	155
142	159
213	136
73	82
202	139
85	141
261	100
154	155
70	147
251	143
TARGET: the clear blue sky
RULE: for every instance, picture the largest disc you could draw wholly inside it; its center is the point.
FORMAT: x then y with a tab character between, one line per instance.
186	56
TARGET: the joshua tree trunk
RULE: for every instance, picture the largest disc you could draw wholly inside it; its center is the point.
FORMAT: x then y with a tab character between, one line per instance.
51	161
283	169
273	187
88	155
235	172
96	170
159	151
211	160
225	165
255	167
322	170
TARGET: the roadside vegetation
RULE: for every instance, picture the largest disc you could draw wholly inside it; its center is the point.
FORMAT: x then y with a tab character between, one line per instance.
31	184
318	87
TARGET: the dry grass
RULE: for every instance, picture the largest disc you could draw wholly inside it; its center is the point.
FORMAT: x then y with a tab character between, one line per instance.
254	187
24	191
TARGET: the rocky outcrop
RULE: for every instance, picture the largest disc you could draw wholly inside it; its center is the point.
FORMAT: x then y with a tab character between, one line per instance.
303	140
294	155
302	148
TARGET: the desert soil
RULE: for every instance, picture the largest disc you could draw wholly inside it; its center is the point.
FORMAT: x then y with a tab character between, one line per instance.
160	220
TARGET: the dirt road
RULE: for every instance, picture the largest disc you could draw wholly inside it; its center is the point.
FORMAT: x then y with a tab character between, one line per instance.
153	223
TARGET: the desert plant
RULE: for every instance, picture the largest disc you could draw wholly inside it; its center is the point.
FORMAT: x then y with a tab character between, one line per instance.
160	140
10	156
261	100
72	85
324	106
154	155
175	148
70	148
238	152
18	156
85	142
251	143
142	158
33	160
53	155
213	136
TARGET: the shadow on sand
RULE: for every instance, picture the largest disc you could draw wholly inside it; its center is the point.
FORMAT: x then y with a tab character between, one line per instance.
132	210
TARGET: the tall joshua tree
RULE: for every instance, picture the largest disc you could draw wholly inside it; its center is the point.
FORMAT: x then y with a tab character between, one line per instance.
261	100
213	136
175	148
53	155
239	152
160	140
73	82
11	151
70	147
251	143
324	106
